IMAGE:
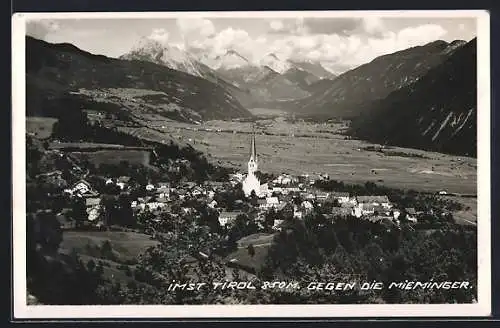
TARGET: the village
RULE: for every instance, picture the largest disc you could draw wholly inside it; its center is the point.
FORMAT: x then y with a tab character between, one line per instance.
236	207
286	193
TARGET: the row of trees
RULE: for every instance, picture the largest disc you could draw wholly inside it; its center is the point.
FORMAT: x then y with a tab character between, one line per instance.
403	198
357	248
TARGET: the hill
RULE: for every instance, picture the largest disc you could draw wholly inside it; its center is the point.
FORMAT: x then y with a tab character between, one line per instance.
351	93
139	87
437	112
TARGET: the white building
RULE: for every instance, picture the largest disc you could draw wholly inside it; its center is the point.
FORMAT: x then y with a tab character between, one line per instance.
226	218
307	205
341	197
251	182
374	200
269	202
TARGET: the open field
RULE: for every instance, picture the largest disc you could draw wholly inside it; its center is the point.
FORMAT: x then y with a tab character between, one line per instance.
256	240
468	215
125	245
243	259
97	158
111	270
91	146
40	127
307	148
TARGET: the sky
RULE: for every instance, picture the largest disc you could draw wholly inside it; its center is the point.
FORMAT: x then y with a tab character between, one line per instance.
338	43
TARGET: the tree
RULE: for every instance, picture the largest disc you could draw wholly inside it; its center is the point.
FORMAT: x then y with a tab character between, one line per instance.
251	250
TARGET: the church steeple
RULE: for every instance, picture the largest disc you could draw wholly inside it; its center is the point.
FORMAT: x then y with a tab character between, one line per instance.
253	149
251	182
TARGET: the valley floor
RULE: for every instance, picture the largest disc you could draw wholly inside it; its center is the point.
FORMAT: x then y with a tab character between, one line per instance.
321	148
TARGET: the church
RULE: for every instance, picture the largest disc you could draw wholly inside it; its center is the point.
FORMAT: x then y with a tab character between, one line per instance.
251	182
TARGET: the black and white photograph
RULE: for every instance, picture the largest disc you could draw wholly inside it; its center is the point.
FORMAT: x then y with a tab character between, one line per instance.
251	164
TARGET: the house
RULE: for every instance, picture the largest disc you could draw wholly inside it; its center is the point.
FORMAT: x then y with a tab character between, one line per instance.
226	217
297	213
321	196
82	189
277	224
307	195
238	176
154	205
197	191
340	197
277	190
212	204
163	187
261	202
341	211
264	189
269	202
189	185
374	200
307	205
411	214
123	182
217	185
94	208
291	189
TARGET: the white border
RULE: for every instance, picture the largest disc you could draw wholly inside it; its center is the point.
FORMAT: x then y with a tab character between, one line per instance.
23	311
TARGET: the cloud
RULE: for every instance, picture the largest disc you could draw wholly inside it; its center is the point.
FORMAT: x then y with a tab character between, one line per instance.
342	52
276	25
287	26
41	29
196	26
337	25
160	35
338	43
373	26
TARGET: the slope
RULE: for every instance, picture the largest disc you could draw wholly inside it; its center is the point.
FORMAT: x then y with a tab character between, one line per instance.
351	93
437	112
55	70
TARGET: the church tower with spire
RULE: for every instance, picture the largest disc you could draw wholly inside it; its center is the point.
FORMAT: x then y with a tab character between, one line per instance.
251	182
253	163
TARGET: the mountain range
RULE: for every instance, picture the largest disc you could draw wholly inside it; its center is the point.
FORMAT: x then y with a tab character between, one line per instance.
436	112
352	92
422	97
138	87
253	84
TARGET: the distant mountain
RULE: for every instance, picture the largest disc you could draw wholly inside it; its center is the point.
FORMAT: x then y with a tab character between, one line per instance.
173	57
167	55
320	86
230	60
314	68
132	86
353	91
436	112
257	83
276	64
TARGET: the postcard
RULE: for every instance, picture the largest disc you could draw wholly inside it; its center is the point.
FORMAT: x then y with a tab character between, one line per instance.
251	164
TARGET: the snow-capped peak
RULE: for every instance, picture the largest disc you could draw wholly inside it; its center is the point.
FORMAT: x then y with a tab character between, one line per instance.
275	63
169	55
230	59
